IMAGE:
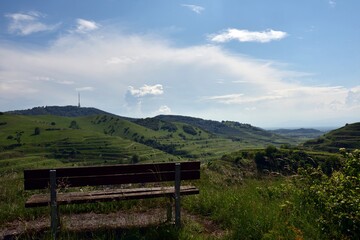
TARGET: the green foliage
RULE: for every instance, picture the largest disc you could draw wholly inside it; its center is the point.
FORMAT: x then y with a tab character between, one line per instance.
74	125
253	209
189	130
18	135
135	159
37	131
288	161
336	196
344	137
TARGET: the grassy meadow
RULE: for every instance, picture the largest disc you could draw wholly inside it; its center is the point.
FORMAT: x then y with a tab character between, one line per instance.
237	199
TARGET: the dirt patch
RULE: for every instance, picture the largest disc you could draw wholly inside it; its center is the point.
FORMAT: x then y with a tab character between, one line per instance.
117	220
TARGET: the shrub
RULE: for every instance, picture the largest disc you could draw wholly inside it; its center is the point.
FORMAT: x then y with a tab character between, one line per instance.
37	131
189	130
336	196
74	125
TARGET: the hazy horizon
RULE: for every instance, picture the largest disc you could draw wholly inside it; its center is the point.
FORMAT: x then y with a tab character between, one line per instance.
324	128
267	63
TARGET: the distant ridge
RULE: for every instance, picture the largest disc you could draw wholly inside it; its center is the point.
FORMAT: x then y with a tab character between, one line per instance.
234	130
300	132
64	111
345	137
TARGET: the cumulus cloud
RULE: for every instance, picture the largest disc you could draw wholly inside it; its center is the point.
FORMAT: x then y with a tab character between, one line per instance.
146	90
353	96
84	26
163	110
195	8
28	23
332	3
247	36
185	78
120	60
81	89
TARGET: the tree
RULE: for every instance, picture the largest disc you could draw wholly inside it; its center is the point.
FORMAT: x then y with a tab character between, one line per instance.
37	131
74	125
135	159
17	137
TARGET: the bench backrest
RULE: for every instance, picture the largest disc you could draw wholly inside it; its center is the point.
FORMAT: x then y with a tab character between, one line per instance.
110	174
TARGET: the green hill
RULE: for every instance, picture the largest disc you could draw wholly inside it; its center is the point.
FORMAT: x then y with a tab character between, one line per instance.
64	111
90	136
301	134
235	131
344	137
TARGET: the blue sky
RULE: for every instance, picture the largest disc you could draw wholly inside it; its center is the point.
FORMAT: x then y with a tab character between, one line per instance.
280	63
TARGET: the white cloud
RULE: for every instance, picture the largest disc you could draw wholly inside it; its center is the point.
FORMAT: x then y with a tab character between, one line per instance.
120	60
81	89
84	26
332	3
353	96
241	98
247	36
146	90
163	110
195	8
28	23
259	92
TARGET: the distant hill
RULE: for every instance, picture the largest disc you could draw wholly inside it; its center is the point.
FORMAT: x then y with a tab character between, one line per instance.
223	128
301	133
226	129
229	129
64	111
344	137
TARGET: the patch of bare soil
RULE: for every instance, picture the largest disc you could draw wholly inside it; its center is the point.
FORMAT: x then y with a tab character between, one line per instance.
117	220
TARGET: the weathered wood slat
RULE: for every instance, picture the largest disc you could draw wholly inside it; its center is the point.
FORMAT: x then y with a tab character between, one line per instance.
107	196
109	169
96	180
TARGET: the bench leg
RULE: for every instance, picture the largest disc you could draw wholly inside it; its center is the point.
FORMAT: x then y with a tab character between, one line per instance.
53	205
169	210
177	195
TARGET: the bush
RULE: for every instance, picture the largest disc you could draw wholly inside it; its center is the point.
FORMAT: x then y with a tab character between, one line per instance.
336	196
37	131
74	125
189	130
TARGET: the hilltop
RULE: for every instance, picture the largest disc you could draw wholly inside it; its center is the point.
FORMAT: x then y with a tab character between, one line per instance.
93	136
64	111
302	134
344	137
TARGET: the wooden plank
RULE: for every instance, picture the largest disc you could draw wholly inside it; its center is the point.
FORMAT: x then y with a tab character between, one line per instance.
30	184
107	196
110	169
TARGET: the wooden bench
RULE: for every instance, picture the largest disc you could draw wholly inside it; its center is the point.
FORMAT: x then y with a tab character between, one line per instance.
109	175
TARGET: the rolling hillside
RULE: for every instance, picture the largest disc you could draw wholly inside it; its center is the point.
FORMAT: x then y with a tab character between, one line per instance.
344	137
301	134
96	137
232	130
64	111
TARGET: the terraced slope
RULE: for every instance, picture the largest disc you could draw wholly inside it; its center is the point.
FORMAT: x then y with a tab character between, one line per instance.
344	137
87	144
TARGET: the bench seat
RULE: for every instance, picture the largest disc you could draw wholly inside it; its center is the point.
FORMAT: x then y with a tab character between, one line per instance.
39	200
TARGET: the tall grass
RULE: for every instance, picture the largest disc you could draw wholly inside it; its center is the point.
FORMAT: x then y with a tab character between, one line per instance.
269	208
242	208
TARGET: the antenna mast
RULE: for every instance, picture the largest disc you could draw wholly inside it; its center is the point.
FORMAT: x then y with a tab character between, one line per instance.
79	100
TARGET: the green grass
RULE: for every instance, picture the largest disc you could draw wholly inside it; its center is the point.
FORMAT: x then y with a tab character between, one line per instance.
240	204
242	208
255	208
